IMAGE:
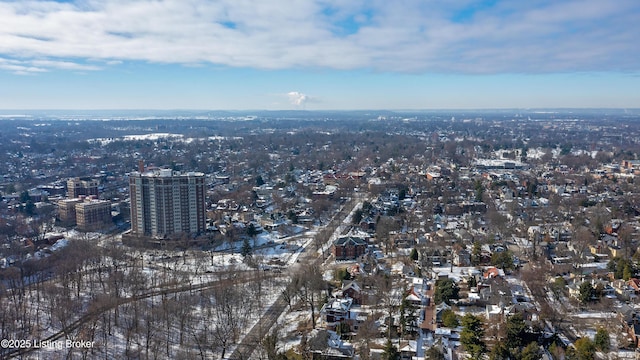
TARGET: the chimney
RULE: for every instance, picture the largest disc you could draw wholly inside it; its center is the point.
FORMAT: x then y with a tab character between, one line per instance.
141	166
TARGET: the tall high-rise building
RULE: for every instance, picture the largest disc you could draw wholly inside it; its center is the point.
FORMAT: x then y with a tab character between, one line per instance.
165	202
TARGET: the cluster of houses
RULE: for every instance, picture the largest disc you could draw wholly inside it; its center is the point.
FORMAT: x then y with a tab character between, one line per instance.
484	291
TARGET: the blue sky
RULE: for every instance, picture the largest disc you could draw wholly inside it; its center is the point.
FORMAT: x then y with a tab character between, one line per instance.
319	54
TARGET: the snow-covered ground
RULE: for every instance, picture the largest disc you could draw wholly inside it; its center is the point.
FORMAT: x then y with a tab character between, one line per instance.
595	315
289	326
167	270
146	282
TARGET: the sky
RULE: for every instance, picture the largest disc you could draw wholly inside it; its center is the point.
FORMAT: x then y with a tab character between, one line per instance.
319	54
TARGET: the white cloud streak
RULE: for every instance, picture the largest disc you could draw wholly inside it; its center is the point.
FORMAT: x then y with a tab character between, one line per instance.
19	67
412	36
30	67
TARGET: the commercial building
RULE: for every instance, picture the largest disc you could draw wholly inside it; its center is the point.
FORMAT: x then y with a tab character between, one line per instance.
67	211
77	187
93	214
87	213
166	202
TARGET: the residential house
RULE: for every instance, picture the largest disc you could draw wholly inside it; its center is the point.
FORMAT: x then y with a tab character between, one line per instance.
635	284
633	329
413	297
327	345
461	257
623	289
440	308
349	247
338	311
492	272
352	290
494	312
408	349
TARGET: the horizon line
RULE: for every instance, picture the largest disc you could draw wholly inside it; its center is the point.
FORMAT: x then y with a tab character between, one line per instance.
319	110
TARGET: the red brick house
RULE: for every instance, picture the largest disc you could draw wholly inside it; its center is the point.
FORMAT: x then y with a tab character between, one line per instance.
349	248
352	290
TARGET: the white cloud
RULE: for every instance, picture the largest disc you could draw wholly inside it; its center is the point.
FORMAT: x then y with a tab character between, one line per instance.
297	98
64	65
416	36
19	67
25	67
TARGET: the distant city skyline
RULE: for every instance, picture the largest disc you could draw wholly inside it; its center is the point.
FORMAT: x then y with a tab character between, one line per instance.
318	54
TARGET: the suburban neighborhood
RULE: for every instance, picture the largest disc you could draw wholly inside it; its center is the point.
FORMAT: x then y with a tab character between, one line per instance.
342	236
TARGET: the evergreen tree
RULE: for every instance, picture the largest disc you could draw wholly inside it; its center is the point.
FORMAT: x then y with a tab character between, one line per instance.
499	352
586	292
472	282
246	248
471	336
433	354
516	331
531	352
627	272
390	351
251	230
30	208
479	190
584	350
24	197
476	254
357	217
414	254
502	260
449	319
601	340
446	290
408	317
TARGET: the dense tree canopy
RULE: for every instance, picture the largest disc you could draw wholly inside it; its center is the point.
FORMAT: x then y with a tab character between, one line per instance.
584	350
471	336
516	331
502	260
446	290
601	340
450	319
586	292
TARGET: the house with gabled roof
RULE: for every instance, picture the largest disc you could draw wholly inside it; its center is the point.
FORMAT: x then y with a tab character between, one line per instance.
327	345
492	272
413	297
352	290
337	311
408	349
439	309
349	247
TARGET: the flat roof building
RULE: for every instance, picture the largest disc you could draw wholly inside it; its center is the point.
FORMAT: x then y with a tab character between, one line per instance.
166	202
93	214
67	211
87	214
77	187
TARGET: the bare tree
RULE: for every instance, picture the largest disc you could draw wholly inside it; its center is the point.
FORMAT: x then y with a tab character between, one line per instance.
228	317
625	239
384	226
367	331
289	292
582	238
387	298
310	282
